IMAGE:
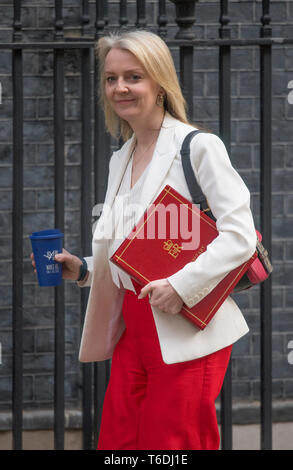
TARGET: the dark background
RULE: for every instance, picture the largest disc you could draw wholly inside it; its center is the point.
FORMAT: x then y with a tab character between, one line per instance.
38	24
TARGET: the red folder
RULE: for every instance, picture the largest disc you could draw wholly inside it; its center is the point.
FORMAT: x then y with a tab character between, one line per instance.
171	233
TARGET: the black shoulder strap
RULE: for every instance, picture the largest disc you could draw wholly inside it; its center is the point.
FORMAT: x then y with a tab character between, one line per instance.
197	195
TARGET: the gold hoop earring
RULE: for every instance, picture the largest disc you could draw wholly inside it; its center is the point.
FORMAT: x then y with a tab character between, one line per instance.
160	100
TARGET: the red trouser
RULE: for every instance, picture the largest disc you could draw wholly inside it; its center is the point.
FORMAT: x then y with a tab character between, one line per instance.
150	405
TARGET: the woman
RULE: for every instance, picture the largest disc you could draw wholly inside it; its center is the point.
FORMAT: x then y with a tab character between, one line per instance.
165	373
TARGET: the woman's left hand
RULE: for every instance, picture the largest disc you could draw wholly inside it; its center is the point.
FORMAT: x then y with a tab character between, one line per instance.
163	296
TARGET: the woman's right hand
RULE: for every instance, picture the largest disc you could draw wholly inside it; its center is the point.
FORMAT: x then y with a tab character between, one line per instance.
70	264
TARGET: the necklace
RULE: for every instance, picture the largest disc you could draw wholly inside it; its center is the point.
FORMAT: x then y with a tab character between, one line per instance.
144	152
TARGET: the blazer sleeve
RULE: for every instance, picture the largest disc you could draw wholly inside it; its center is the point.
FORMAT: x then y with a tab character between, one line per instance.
229	200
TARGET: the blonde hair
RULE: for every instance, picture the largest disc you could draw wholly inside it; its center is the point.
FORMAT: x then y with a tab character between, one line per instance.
154	55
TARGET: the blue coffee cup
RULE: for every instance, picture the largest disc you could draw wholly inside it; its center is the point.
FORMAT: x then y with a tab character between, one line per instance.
46	244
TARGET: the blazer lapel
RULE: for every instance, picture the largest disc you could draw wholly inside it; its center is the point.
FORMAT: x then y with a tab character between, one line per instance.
122	158
120	167
163	157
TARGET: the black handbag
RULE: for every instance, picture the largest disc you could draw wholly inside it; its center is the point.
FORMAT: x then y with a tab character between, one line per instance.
261	267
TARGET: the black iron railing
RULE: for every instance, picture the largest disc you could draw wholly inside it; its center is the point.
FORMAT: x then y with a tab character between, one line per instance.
96	376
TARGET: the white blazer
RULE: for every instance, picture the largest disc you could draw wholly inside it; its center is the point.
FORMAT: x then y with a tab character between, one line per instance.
229	200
